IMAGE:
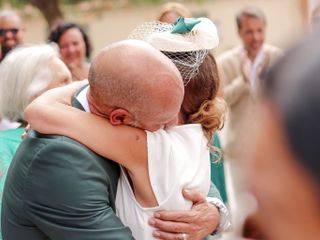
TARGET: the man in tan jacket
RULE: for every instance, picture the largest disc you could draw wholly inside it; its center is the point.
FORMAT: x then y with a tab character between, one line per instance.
241	69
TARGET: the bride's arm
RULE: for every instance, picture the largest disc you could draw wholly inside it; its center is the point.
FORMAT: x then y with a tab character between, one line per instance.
51	113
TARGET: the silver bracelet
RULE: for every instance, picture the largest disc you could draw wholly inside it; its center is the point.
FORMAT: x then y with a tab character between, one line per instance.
224	221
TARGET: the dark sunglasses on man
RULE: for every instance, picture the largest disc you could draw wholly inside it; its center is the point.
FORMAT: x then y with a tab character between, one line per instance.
3	32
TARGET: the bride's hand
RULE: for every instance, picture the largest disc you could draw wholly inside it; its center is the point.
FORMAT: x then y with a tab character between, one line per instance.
26	130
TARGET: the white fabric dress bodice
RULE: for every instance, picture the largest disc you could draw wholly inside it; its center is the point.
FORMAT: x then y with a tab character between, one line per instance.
178	157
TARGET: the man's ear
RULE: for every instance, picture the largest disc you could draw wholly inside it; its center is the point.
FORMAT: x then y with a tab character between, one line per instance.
121	116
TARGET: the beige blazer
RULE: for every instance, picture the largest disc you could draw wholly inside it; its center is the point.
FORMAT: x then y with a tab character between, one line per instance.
240	98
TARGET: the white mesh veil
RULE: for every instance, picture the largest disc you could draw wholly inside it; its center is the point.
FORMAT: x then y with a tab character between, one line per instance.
180	48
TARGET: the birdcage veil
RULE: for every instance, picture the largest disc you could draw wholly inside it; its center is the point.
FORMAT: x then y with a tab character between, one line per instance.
188	63
187	50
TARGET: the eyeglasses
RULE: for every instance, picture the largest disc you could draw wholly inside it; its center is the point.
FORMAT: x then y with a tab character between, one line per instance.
14	31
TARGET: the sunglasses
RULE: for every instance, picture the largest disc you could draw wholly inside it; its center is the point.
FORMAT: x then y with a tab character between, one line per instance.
14	31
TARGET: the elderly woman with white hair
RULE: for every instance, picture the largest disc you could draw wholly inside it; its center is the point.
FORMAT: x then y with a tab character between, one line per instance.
25	73
28	72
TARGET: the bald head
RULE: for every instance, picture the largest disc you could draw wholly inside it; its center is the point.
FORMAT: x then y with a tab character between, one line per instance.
134	76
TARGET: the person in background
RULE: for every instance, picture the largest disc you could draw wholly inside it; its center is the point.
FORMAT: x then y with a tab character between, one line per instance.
75	48
241	69
11	32
171	11
25	73
282	165
11	35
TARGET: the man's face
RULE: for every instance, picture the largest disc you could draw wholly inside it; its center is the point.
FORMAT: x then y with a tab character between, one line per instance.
155	123
11	32
163	116
252	34
162	108
158	113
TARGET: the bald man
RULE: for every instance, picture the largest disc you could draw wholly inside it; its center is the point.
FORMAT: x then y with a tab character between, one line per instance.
123	78
56	188
11	32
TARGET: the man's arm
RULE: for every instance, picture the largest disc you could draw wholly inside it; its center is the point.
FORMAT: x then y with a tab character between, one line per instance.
69	195
234	83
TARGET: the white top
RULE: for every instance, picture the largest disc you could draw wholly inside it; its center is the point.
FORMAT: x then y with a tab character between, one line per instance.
178	157
5	124
254	67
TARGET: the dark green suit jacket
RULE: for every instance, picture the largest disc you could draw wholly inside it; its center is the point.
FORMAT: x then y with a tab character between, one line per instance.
56	188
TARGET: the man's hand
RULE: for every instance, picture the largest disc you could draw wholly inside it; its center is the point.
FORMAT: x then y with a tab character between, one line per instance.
196	223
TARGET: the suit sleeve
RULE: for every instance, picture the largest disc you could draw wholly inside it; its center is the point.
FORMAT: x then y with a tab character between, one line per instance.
68	196
234	85
234	90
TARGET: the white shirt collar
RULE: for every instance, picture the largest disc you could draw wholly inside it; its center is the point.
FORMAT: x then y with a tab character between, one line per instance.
83	100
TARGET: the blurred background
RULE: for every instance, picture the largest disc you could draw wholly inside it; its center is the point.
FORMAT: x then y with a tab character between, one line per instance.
107	21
